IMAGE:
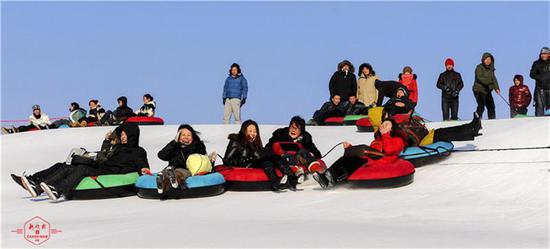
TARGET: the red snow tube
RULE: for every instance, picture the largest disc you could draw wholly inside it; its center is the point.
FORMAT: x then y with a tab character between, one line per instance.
91	124
364	125
334	121
246	179
145	120
376	174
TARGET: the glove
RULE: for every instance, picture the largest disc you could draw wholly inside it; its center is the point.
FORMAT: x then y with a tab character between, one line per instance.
224	101
454	93
243	101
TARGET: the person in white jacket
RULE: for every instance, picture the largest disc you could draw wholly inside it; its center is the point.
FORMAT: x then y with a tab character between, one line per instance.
38	120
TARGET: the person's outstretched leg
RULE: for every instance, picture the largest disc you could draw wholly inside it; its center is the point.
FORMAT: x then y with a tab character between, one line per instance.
465	132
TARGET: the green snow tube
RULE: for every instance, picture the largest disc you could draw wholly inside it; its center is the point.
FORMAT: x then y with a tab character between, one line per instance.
352	119
105	186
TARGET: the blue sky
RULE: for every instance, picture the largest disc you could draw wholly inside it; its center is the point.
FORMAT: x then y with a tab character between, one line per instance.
54	53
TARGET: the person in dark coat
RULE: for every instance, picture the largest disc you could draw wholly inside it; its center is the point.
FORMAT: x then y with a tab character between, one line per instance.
386	89
148	107
245	149
450	82
343	81
485	82
400	103
355	107
176	152
519	97
95	113
332	108
540	72
115	158
122	112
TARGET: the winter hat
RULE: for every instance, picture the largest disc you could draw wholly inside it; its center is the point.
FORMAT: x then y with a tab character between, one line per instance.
407	69
449	61
519	77
35	107
545	50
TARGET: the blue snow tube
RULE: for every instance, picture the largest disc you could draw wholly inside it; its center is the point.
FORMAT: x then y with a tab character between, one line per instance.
197	186
427	154
547	112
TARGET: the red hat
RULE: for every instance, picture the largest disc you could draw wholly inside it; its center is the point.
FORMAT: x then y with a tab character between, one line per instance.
449	61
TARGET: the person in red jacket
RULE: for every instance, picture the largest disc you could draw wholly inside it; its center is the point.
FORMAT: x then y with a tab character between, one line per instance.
519	97
408	79
385	148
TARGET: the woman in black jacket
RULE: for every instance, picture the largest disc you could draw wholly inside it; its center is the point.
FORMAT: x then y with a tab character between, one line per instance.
176	152
245	149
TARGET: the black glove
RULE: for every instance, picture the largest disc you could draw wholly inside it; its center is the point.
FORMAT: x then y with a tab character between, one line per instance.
224	101
454	94
243	101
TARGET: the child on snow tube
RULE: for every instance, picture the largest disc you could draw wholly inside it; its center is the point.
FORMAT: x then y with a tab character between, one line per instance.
178	153
385	148
120	154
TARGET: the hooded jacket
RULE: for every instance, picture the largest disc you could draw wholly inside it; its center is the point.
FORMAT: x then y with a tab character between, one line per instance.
485	78
519	96
125	158
366	90
450	83
390	146
540	72
123	112
409	80
147	110
42	120
235	87
281	135
356	109
392	109
342	83
96	113
176	154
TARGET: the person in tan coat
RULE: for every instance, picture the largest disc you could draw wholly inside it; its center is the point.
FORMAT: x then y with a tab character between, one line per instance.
366	91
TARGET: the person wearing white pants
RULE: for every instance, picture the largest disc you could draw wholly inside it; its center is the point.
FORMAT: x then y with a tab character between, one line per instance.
232	106
235	90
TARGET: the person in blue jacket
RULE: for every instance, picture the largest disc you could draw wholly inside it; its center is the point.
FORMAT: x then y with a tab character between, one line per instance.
235	90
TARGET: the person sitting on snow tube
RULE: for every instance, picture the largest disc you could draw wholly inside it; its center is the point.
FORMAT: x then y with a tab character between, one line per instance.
355	107
245	149
308	155
332	108
75	114
95	114
121	113
38	120
148	108
120	154
385	148
399	103
176	153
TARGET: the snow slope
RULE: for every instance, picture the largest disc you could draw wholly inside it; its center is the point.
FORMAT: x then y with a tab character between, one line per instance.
471	199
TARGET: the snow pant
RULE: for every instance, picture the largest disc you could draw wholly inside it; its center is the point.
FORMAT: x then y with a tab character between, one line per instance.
449	104
517	110
320	117
66	178
24	128
463	132
542	101
269	165
232	106
345	166
485	100
42	175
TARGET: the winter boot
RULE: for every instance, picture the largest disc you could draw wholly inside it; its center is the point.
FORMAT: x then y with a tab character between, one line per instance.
51	191
160	183
17	179
321	179
170	175
31	185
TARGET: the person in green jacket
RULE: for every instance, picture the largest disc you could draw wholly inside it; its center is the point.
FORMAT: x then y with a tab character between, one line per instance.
485	82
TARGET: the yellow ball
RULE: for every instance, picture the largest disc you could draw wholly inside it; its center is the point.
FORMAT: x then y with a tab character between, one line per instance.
197	164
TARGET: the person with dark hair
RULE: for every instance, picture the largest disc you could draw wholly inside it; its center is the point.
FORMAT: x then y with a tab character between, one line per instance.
366	89
120	158
122	112
386	89
95	114
343	81
176	153
235	91
148	108
408	79
355	107
75	114
332	108
485	82
450	83
400	103
245	149
304	153
519	97
385	148
540	72
38	120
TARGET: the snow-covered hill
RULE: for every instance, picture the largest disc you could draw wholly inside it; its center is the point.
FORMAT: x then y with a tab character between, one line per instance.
471	199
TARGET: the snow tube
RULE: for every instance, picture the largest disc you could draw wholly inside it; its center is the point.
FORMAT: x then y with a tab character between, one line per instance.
547	112
379	175
334	121
145	120
521	116
63	126
105	186
422	155
364	125
352	119
197	186
247	179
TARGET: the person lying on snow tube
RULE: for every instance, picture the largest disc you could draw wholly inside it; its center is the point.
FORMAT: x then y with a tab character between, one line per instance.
355	107
385	148
307	155
245	149
120	154
332	108
186	143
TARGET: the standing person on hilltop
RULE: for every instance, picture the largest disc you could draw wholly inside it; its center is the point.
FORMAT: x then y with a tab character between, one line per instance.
485	82
366	89
343	82
540	72
450	82
235	91
408	79
519	97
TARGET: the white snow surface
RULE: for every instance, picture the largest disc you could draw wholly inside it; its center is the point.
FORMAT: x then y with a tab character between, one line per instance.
471	199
